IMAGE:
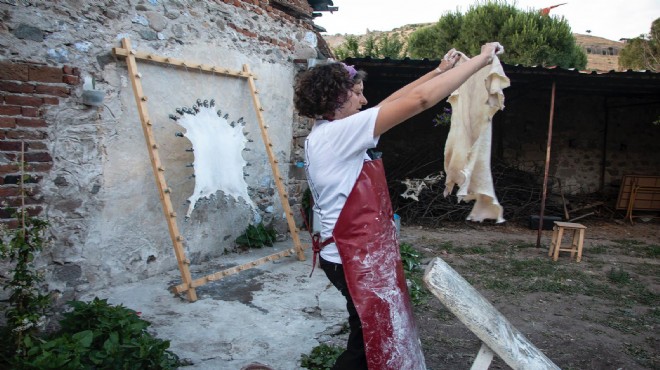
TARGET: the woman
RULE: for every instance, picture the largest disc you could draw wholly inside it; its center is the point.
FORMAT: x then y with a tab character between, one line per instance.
360	254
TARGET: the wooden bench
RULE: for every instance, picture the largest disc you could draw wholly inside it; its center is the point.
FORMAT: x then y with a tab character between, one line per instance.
576	242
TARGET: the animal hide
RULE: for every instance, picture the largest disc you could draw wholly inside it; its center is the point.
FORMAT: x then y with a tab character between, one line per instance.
467	150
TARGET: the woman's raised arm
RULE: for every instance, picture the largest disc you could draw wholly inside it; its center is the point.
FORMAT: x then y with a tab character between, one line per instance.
431	91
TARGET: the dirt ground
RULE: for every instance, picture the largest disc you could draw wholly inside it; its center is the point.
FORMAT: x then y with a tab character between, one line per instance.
601	313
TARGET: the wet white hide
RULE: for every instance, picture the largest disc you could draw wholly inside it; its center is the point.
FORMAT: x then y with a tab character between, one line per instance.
467	150
218	150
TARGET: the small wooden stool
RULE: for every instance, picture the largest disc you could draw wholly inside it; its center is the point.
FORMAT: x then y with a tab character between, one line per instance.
576	244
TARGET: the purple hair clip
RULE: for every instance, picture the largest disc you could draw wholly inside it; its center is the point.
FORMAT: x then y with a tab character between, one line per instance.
350	69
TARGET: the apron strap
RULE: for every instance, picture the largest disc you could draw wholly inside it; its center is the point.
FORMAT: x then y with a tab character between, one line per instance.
317	245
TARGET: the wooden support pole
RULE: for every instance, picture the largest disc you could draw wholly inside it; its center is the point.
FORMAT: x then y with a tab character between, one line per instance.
547	165
284	197
483	359
156	165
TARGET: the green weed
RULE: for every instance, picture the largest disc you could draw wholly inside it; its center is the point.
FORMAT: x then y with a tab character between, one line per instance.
411	260
322	357
618	276
256	237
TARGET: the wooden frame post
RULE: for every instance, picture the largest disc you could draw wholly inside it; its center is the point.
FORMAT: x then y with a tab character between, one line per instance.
156	164
284	197
189	284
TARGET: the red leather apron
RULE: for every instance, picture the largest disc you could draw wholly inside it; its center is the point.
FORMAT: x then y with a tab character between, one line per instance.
365	236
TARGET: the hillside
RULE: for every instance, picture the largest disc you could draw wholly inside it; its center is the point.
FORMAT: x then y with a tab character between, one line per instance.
595	46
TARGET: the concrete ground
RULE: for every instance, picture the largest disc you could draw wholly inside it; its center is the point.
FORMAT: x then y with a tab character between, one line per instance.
270	314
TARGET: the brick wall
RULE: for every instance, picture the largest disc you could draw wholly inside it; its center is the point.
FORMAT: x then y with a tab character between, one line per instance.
295	12
26	91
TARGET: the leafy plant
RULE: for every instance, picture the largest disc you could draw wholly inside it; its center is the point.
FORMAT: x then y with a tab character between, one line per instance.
410	258
97	335
27	305
322	357
256	237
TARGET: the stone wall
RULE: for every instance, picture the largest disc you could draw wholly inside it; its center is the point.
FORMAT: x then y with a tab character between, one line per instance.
89	170
595	141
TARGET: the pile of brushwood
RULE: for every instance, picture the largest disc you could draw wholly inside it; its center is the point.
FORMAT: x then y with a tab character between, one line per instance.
518	191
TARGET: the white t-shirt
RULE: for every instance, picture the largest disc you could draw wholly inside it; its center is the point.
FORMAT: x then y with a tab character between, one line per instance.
334	154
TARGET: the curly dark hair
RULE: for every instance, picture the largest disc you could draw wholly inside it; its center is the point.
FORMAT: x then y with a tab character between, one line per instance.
321	90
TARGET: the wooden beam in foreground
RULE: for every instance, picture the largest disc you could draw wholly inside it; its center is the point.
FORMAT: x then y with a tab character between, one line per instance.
483	320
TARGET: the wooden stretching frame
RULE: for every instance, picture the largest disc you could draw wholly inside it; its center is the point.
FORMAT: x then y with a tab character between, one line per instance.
189	284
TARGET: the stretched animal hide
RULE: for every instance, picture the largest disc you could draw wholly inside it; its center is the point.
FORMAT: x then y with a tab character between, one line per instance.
467	150
218	146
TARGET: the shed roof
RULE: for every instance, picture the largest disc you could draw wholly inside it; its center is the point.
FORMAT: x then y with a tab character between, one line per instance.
397	72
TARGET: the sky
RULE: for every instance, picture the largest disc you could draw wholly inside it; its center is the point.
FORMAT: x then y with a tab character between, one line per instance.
611	19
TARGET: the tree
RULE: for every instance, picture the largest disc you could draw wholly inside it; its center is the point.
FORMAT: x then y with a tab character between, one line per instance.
349	48
383	46
528	37
643	52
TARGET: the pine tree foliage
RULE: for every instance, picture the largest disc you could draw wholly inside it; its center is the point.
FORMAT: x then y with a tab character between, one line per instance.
643	52
528	37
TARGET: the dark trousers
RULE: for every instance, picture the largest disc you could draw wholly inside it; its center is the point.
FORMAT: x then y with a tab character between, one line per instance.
354	358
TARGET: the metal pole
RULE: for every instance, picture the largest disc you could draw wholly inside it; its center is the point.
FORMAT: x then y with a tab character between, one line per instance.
547	165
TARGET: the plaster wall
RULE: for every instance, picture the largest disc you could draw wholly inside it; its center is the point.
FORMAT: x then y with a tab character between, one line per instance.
100	197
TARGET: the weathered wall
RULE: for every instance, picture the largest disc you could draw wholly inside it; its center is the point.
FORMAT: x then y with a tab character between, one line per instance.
91	174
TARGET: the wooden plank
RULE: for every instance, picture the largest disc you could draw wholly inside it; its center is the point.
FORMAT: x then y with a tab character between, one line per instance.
639	193
570	225
157	167
473	310
284	197
231	271
125	52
